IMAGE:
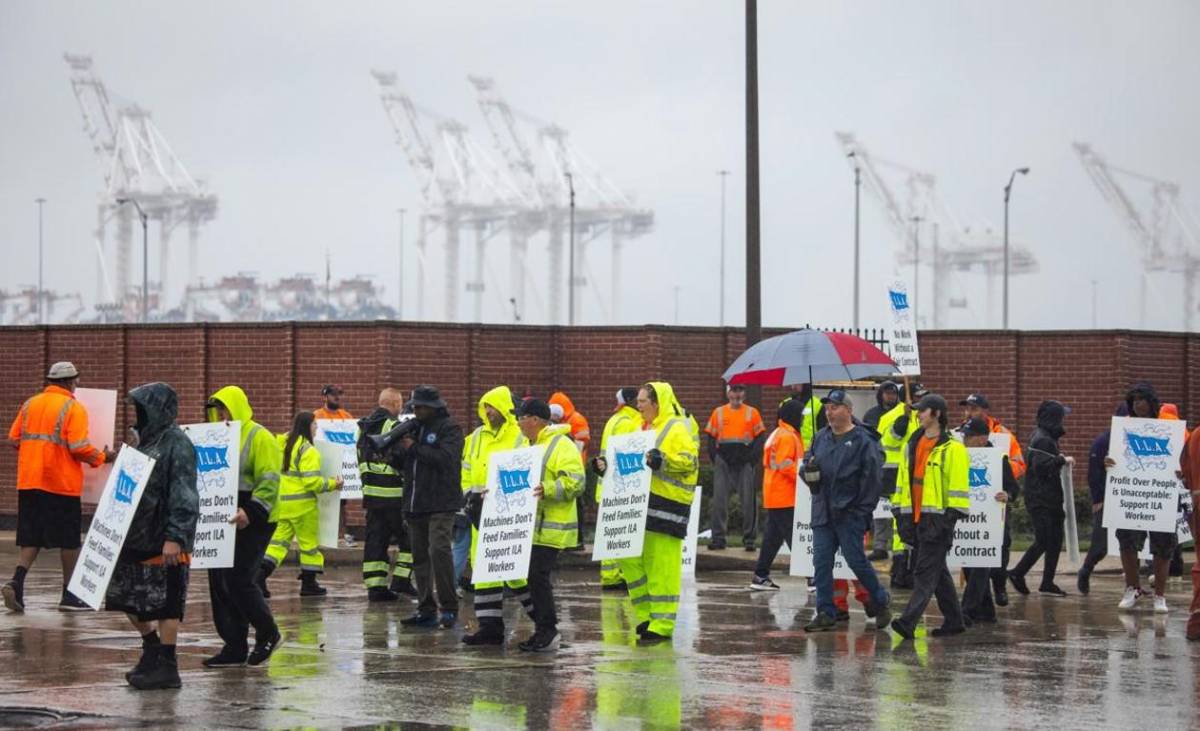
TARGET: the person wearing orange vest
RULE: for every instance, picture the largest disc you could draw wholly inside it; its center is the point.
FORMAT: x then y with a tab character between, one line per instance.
333	404
51	434
1190	474
782	453
976	406
733	430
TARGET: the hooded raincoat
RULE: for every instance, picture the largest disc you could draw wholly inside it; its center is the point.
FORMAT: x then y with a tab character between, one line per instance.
261	458
170	504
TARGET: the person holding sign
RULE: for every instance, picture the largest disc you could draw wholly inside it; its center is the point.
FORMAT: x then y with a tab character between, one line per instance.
1142	403
977	602
1044	499
624	420
782	453
933	492
1097	476
843	470
237	600
300	482
557	524
51	434
149	583
498	432
333	404
654	578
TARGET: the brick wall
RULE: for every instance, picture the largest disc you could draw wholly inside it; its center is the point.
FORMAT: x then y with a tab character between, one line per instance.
282	367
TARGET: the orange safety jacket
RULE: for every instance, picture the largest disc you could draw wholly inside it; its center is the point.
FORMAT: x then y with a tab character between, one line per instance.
581	432
728	425
51	431
1016	459
781	459
324	413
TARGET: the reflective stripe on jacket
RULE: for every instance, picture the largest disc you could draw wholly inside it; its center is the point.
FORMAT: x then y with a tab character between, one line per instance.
486	439
557	523
946	482
300	481
781	462
672	485
380	479
51	430
728	425
893	443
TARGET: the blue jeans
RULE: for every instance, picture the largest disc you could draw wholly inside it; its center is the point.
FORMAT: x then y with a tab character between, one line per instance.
462	546
845	533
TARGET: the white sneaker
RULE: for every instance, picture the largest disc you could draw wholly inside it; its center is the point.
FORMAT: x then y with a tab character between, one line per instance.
1160	604
1130	599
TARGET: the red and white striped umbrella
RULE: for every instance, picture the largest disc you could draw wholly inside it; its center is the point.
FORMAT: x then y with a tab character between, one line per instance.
809	356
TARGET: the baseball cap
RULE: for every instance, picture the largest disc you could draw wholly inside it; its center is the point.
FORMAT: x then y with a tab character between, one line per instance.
63	369
976	427
976	399
837	396
533	407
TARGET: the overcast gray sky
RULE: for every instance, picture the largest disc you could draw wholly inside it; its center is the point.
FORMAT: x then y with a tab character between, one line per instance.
272	104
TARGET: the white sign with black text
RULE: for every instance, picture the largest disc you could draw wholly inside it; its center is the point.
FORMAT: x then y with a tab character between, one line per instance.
802	540
344	434
979	537
1143	491
624	498
509	510
218	460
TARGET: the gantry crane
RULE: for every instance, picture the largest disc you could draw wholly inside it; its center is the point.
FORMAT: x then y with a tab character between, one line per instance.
138	164
543	180
954	247
460	185
1168	236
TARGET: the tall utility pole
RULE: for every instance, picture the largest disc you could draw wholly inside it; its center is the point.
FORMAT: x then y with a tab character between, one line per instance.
724	174
916	269
41	315
571	265
753	273
400	274
857	192
1007	194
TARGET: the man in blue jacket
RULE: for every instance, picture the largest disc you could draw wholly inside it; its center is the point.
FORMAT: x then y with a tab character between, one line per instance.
843	471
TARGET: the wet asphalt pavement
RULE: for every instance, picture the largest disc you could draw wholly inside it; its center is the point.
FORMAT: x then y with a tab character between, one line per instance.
739	660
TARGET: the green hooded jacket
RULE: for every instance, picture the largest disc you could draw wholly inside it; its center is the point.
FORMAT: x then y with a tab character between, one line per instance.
261	457
485	439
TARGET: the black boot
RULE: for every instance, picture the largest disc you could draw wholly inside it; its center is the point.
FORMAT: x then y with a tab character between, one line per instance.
162	673
265	569
150	644
309	585
403	587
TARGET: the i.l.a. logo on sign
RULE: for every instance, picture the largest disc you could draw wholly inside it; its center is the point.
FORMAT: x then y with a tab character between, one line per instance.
1148	448
513	479
339	437
979	477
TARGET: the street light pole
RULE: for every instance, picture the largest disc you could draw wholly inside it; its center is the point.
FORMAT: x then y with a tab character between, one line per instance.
724	174
145	255
753	255
571	265
1007	195
857	189
40	295
916	269
400	276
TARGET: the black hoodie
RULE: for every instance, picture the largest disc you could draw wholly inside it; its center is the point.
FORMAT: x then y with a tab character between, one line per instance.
876	412
170	505
1043	480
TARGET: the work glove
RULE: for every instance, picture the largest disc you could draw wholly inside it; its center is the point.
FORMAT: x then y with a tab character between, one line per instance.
474	508
654	459
600	465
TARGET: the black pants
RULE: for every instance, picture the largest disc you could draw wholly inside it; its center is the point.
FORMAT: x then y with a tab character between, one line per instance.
237	602
385	526
541	588
1099	548
777	532
999	574
977	600
931	579
1047	540
433	561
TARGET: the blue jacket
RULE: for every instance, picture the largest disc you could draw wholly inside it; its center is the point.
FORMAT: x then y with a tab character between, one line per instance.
850	475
